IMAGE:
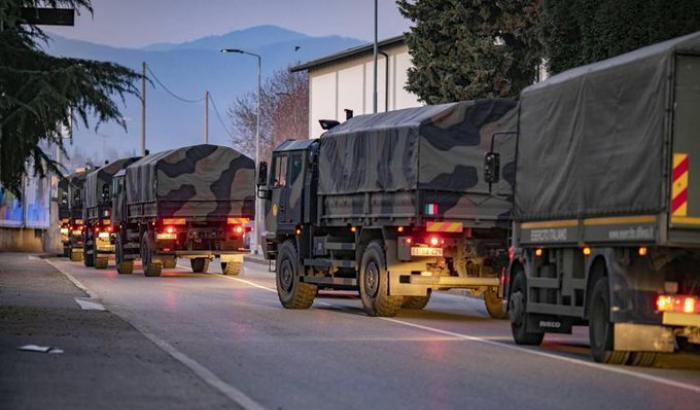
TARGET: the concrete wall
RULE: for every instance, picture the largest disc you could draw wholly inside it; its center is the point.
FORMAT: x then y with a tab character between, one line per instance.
21	240
348	85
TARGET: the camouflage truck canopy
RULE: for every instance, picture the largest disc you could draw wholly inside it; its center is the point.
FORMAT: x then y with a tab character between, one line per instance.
419	162
593	140
99	181
438	147
76	194
201	180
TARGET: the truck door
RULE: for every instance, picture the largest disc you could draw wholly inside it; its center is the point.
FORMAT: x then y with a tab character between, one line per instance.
295	184
278	197
685	185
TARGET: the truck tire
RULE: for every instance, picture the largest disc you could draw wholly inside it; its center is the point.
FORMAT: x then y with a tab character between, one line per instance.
231	268
151	268
66	251
124	267
101	262
292	292
518	315
169	262
76	255
200	265
643	359
494	305
88	253
600	329
374	286
416	302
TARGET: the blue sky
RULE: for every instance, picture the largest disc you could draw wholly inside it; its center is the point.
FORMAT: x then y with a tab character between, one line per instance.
135	23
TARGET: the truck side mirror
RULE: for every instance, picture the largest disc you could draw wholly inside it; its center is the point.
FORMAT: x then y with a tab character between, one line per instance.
492	167
262	173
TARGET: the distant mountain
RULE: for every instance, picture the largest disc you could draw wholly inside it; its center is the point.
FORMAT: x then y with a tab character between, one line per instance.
254	37
188	69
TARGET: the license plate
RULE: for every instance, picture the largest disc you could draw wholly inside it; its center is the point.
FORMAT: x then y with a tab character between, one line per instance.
425	251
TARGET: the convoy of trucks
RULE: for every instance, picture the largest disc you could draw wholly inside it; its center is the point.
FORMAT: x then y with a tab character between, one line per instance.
575	205
70	209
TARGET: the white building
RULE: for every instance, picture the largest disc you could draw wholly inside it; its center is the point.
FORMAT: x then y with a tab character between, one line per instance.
345	81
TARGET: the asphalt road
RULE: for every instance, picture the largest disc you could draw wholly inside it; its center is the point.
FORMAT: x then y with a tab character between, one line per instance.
232	333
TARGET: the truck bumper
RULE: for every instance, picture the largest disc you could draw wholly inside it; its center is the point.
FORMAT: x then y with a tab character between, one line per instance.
631	337
404	284
224	256
681	319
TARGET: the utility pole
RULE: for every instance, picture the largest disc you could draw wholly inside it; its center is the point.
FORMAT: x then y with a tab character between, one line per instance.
376	52
206	116
143	109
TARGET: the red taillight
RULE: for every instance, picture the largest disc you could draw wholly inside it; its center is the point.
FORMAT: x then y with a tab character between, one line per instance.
677	304
435	241
409	240
511	254
170	229
238	230
109	229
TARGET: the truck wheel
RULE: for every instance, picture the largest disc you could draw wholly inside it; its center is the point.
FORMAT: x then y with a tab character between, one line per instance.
124	267
66	251
76	255
644	359
374	289
600	329
518	314
101	262
292	292
494	305
231	268
169	262
151	268
88	254
416	302
199	265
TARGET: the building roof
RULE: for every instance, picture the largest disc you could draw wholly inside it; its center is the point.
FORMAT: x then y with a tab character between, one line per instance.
349	53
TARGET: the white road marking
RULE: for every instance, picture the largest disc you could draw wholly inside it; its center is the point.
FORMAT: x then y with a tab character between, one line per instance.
247	282
87	304
205	374
490	340
608	368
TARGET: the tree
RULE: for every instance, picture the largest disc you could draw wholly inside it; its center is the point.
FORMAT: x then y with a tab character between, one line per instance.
284	113
466	49
578	32
42	94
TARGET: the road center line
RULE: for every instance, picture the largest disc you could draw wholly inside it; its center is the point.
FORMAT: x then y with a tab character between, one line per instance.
489	341
202	372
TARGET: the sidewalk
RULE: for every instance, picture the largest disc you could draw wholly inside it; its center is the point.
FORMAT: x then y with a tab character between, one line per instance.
105	364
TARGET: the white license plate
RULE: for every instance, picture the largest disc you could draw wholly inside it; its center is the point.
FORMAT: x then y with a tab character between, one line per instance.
425	251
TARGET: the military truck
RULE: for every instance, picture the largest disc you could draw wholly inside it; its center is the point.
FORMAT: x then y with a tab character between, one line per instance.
607	216
72	225
98	233
193	202
393	205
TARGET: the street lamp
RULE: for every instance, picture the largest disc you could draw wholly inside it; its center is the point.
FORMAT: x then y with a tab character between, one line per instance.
258	208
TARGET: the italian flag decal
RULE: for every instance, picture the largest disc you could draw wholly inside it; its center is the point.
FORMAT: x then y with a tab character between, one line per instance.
431	209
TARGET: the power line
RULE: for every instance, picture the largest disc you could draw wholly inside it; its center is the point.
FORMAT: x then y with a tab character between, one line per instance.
185	100
218	116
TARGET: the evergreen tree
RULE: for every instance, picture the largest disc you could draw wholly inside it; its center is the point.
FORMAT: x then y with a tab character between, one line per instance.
40	93
578	32
467	49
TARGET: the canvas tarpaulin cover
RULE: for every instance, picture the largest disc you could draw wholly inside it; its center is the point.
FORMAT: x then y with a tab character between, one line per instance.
592	140
100	180
197	173
437	147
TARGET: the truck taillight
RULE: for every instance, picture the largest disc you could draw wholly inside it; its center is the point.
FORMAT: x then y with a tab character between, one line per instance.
435	241
677	304
170	229
238	230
